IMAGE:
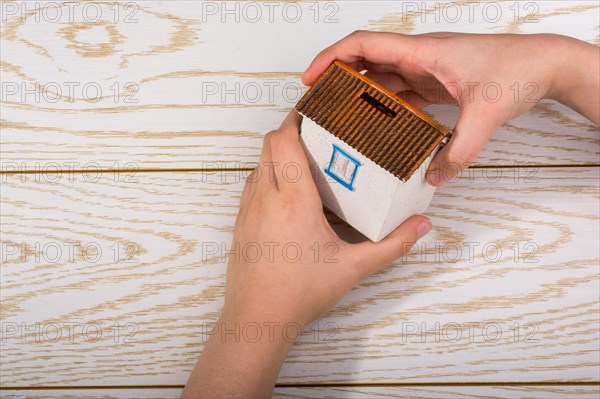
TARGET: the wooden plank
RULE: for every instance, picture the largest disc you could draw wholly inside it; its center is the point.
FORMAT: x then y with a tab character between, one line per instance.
453	392
117	282
504	391
78	93
91	393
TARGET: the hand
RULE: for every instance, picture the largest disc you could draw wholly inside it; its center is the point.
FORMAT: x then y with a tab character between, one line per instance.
288	267
493	78
311	267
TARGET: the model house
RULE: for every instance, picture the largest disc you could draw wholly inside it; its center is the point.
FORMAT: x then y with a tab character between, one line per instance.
371	150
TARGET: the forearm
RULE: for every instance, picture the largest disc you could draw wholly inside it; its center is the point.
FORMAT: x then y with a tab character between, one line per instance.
241	359
577	79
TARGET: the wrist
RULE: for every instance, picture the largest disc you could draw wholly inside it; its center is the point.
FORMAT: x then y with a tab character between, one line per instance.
257	330
241	358
567	74
575	80
554	64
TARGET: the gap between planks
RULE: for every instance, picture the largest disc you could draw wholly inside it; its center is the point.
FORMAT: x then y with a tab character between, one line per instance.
325	385
172	170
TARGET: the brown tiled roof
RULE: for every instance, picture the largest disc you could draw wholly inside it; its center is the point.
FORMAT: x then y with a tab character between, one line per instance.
372	120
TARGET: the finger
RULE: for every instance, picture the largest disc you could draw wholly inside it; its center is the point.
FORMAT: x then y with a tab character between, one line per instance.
474	128
289	159
264	177
391	81
250	181
372	256
359	48
413	98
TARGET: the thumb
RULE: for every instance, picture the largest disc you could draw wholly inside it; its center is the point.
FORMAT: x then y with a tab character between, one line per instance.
474	128
372	256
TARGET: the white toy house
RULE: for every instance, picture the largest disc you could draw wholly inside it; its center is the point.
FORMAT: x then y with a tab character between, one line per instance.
371	150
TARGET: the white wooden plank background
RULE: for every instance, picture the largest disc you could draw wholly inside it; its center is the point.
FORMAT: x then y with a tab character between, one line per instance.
162	284
207	91
174	290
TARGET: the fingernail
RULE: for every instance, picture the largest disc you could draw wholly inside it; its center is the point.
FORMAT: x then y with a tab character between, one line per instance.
435	177
423	228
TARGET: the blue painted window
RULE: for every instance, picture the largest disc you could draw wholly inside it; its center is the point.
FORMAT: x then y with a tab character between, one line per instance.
342	167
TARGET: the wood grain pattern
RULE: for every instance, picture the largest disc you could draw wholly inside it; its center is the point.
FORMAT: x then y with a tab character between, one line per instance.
166	284
114	278
107	93
491	392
